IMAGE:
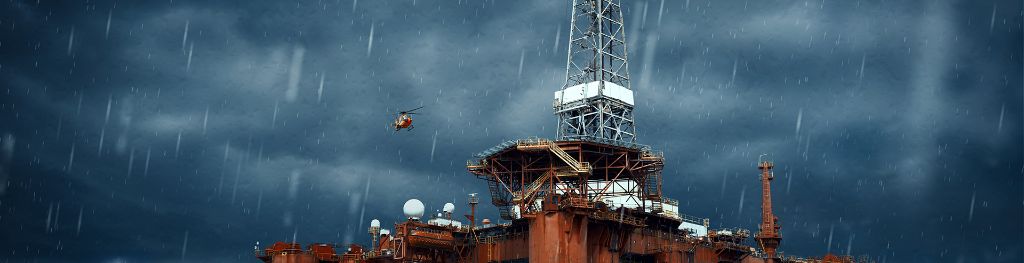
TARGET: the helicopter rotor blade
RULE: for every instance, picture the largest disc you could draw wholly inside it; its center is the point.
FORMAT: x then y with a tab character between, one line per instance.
412	110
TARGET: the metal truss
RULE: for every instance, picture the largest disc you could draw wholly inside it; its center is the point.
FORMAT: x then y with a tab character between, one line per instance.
597	53
597	44
601	119
536	170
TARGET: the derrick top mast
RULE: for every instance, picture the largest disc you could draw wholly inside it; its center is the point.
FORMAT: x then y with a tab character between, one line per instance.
768	237
596	101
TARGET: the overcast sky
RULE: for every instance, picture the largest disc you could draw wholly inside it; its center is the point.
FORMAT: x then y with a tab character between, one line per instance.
168	131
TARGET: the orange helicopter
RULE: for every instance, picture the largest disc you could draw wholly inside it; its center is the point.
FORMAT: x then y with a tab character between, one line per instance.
404	120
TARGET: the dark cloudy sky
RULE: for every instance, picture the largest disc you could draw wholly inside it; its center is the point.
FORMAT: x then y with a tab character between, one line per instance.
170	131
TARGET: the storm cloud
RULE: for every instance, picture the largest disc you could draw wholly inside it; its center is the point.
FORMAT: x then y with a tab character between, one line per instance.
169	131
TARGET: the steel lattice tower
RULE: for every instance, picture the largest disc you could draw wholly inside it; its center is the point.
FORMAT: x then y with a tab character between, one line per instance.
769	237
596	101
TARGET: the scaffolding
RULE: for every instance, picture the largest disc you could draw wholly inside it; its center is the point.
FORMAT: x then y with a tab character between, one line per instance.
523	175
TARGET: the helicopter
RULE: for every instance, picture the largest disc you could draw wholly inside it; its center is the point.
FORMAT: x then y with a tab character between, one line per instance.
404	120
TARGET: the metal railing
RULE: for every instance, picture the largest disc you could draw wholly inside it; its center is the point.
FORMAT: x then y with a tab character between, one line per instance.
509	143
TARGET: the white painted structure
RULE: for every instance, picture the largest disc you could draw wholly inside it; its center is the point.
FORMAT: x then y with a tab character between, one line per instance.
592	90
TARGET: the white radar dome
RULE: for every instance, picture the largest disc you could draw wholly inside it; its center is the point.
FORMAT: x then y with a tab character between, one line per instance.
449	208
413	209
375	223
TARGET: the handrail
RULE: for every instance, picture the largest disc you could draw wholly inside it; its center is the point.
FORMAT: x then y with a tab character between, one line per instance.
537	143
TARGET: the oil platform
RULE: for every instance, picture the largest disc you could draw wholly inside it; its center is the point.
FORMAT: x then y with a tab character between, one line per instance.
592	195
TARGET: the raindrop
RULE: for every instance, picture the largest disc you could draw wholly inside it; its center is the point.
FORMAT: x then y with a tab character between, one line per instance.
849	244
206	118
643	17
78	227
184	38
103	134
56	218
661	10
294	73
970	213
320	91
223	163
131	162
522	57
433	146
106	34
369	43
830	232
106	116
558	37
49	217
188	64
177	145
743	195
992	23
145	169
184	246
273	120
725	178
1002	113
259	202
71	40
71	158
799	120
860	74
366	193
735	63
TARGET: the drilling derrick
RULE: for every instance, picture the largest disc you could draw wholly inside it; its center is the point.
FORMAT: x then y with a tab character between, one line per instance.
596	101
768	238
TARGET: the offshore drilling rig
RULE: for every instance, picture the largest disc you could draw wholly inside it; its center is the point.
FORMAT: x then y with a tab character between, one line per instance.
591	195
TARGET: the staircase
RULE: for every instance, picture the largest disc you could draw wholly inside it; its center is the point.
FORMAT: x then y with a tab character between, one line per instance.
532	188
652	186
496	190
544	144
578	167
651	165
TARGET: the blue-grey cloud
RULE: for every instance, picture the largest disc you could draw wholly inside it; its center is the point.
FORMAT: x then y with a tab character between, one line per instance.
188	130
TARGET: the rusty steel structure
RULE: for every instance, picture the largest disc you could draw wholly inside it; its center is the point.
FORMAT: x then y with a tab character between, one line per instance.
523	174
768	237
567	219
562	224
591	195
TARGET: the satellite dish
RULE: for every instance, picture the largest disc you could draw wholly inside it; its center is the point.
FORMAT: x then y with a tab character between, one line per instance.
375	223
449	208
413	209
